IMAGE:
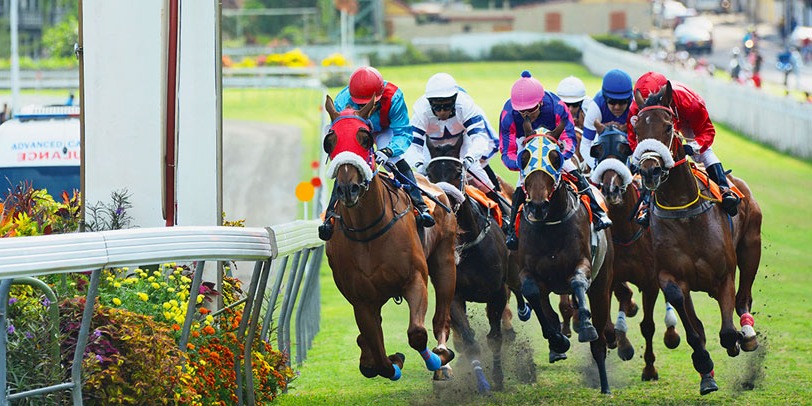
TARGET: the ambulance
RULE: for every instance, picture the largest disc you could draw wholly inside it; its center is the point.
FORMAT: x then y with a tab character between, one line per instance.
41	145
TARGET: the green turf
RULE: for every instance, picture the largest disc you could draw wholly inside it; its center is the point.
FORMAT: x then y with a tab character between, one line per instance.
779	370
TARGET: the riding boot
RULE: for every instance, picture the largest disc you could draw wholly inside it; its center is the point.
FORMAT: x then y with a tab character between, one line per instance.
492	176
730	200
642	213
326	229
494	196
424	218
599	217
512	241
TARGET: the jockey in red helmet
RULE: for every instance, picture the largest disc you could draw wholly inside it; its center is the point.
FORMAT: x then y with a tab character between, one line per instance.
691	119
529	102
390	129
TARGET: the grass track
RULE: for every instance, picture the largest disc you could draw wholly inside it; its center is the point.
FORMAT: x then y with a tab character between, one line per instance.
780	370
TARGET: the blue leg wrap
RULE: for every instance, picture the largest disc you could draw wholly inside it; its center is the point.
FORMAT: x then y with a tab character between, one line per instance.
397	374
433	361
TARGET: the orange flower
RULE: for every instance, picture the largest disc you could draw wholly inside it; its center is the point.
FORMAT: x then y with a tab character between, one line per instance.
190	347
204	310
208	330
195	334
176	327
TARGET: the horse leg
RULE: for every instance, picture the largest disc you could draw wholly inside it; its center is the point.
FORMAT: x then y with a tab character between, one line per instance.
580	284
550	327
671	337
464	338
507	320
514	282
416	296
680	299
495	337
647	329
626	307
443	273
565	307
600	297
374	361
748	255
728	335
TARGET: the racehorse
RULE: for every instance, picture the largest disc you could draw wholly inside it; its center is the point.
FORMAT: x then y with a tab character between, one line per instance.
556	252
697	245
378	255
482	266
634	256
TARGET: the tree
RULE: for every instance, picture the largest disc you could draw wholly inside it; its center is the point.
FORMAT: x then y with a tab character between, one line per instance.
58	40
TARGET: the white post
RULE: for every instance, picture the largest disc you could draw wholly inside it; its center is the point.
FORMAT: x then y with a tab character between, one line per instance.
15	57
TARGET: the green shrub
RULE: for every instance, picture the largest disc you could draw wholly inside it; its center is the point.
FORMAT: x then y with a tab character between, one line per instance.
554	50
619	42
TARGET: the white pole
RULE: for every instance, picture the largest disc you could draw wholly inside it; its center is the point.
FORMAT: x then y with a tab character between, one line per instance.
15	58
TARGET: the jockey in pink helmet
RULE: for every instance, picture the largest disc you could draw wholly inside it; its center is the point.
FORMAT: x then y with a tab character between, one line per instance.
530	102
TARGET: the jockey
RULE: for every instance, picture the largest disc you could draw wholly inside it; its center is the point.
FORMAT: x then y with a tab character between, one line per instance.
691	119
390	128
610	106
446	112
572	92
529	102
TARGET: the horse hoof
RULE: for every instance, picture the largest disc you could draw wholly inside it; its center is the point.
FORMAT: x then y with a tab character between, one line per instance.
734	350
397	373
671	338
559	343
611	343
626	353
367	372
707	385
446	354
557	356
433	361
588	334
632	310
444	374
565	330
748	340
650	374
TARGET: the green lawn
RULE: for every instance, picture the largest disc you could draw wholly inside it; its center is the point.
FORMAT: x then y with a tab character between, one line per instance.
782	304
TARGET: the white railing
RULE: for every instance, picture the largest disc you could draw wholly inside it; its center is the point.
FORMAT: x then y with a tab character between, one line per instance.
80	252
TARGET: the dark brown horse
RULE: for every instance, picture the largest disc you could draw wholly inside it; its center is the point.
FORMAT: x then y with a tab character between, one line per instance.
697	246
556	253
634	256
378	255
482	266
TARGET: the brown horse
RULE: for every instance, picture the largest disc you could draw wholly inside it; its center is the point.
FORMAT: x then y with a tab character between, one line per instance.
556	253
482	266
378	254
634	256
697	246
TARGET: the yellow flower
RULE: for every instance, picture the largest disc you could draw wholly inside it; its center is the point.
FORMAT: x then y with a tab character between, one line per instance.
156	285
171	277
117	285
170	290
169	316
143	296
167	305
210	319
199	299
117	301
151	279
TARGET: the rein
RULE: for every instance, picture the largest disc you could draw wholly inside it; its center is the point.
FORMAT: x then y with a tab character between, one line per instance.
397	216
483	232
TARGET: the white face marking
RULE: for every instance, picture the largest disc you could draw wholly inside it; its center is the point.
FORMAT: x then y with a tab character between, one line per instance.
648	119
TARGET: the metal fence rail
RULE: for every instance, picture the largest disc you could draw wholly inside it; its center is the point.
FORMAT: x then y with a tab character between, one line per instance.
58	254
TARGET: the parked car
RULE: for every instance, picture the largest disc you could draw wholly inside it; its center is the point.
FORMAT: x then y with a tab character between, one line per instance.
41	145
670	13
693	38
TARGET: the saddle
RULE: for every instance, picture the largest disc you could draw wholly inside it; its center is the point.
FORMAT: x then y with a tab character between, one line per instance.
711	186
485	201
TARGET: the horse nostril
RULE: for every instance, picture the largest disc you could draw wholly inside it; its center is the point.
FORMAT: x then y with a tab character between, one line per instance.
355	189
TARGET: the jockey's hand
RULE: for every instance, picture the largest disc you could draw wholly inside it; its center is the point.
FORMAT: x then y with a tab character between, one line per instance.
382	155
689	150
468	161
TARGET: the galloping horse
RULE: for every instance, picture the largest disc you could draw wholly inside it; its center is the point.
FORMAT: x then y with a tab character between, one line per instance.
634	256
378	254
556	253
697	246
482	266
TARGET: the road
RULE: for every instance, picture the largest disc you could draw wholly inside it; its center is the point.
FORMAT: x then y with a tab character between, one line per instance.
729	29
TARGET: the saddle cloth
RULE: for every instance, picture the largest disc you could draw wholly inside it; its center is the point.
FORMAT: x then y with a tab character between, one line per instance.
480	197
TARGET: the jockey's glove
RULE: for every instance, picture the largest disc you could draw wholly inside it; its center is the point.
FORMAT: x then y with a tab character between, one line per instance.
689	150
382	155
468	161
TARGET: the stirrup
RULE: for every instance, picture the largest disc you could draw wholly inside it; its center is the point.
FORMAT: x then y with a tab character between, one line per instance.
512	242
642	217
602	222
426	220
730	202
326	229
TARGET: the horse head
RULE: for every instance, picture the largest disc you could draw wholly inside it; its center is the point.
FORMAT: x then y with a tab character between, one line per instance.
541	168
445	164
349	144
611	150
659	144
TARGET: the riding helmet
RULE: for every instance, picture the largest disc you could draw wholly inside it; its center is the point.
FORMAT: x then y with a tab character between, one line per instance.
366	83
571	90
617	85
441	86
526	92
650	82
